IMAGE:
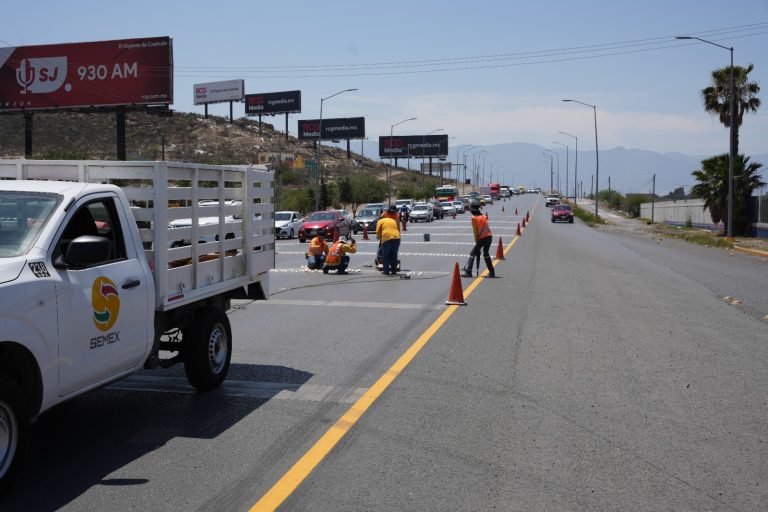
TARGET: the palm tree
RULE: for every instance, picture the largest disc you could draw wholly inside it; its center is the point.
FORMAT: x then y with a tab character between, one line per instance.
717	99
713	188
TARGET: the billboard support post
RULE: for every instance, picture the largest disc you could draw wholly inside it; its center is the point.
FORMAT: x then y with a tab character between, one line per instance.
28	134
120	126
206	111
231	118
286	127
349	153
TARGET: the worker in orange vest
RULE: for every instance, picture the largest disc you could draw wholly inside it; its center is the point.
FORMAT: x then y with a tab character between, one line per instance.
317	252
483	239
337	256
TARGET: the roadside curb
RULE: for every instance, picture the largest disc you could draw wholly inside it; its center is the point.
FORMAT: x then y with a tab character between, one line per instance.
754	252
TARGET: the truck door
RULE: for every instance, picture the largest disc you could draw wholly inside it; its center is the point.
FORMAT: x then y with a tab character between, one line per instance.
103	315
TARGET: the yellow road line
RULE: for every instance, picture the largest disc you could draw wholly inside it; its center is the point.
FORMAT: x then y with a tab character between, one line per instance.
288	483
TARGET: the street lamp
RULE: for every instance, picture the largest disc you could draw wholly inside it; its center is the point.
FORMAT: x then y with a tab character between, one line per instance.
597	157
467	146
551	165
317	149
732	120
575	171
566	167
391	135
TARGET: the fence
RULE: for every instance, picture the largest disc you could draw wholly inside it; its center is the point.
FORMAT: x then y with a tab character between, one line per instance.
691	212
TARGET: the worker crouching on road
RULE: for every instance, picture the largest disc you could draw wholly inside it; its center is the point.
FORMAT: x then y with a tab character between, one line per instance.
337	256
317	252
388	233
483	239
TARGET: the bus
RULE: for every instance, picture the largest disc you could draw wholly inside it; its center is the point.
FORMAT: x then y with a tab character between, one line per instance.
446	193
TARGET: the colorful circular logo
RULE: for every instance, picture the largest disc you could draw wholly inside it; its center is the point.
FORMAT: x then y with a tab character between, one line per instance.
106	303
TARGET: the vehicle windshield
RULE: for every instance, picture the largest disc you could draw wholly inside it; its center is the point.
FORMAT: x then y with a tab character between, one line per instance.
446	203
420	207
282	216
367	213
22	217
562	207
323	216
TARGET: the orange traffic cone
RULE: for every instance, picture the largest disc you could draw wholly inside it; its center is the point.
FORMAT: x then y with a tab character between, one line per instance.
500	251
527	217
502	208
456	295
523	221
515	211
518	232
365	233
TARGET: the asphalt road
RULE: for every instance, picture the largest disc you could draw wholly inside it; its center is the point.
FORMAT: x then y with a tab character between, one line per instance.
598	372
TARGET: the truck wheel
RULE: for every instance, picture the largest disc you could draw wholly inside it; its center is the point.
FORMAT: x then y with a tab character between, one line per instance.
208	349
14	431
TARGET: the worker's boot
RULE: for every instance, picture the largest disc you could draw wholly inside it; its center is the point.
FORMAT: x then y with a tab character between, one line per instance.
467	270
489	264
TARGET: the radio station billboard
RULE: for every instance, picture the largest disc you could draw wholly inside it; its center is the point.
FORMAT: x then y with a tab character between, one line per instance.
333	129
216	92
409	146
287	102
94	74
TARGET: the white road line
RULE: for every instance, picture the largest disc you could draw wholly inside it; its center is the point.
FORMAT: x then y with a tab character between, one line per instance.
241	388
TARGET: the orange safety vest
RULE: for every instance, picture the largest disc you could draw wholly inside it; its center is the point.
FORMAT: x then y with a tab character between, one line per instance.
482	229
317	246
334	256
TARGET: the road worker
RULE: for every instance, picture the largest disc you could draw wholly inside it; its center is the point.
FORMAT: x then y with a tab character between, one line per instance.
391	213
483	239
388	233
337	256
317	252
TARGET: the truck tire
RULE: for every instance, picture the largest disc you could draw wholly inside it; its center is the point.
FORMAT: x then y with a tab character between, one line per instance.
14	431
208	349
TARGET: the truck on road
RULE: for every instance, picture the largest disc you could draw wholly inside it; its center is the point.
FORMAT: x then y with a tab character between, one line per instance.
91	290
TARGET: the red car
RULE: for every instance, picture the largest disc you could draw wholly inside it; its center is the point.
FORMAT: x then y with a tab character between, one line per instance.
329	224
562	213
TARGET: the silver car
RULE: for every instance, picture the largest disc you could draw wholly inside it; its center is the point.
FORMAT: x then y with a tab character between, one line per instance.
421	211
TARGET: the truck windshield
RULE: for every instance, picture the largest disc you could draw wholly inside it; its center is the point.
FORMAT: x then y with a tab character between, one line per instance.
22	217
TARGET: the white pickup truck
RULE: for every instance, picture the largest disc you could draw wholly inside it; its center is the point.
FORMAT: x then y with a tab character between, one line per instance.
90	290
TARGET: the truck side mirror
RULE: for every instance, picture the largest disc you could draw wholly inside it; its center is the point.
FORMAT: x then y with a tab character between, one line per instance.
88	250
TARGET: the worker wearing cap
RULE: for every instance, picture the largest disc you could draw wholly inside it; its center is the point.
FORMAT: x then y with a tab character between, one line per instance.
483	239
317	252
388	233
337	256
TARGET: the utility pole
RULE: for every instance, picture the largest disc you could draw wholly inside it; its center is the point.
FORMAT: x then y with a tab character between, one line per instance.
609	191
592	187
653	197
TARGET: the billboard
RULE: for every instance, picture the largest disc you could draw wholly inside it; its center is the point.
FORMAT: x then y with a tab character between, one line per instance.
333	129
96	74
287	102
214	92
410	146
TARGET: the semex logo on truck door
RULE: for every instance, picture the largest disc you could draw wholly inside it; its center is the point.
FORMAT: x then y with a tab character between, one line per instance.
106	308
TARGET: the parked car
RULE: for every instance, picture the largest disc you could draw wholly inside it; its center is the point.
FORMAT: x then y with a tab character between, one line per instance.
552	200
328	224
437	210
287	224
448	208
421	211
367	219
459	206
562	213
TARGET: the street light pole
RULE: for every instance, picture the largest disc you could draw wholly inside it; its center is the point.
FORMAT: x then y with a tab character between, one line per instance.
732	122
391	136
575	171
551	164
317	149
597	155
566	166
458	148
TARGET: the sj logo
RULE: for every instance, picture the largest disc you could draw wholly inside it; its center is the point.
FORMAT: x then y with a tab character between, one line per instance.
41	75
105	302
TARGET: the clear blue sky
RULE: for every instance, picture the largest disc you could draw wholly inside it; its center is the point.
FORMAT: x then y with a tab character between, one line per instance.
648	99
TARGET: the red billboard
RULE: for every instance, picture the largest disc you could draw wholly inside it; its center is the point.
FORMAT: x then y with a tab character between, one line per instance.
96	74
